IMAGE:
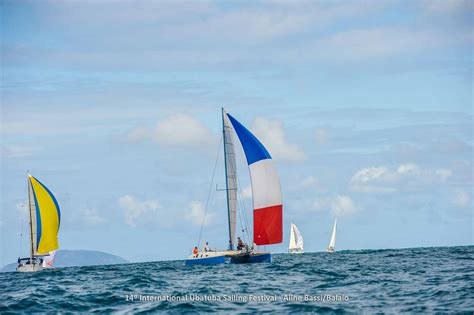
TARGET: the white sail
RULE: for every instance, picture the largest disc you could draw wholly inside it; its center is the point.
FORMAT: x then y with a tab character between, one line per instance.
231	177
292	238
332	243
33	223
296	239
48	260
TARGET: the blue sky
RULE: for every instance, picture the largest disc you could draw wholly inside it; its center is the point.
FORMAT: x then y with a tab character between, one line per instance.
366	107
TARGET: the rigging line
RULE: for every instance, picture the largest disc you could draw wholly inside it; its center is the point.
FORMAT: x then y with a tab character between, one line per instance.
243	210
210	190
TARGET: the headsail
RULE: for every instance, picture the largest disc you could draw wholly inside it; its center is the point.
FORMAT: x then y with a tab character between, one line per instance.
332	243
48	260
296	239
266	191
231	176
46	217
292	237
33	221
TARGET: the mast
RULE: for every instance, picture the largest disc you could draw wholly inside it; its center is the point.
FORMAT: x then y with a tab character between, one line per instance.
31	219
226	181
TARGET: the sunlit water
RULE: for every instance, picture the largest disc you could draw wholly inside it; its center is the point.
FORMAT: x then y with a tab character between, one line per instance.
405	280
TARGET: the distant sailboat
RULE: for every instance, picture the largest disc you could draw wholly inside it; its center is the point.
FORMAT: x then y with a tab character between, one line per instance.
296	240
332	244
44	221
266	195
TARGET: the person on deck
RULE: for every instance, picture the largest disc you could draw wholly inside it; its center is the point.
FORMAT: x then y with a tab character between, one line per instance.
207	249
240	244
195	251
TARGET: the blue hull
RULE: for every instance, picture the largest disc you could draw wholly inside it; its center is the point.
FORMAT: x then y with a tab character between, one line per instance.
205	261
250	259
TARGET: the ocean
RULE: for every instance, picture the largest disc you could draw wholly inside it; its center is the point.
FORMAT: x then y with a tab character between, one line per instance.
402	280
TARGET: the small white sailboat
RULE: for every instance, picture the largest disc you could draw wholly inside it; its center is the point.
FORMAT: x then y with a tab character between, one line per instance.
266	197
296	240
44	221
332	244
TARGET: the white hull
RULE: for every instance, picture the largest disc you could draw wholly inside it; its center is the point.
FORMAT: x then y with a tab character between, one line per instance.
296	251
29	268
330	249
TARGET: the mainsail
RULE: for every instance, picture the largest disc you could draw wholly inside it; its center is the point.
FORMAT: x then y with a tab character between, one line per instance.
296	239
231	176
45	218
266	191
332	243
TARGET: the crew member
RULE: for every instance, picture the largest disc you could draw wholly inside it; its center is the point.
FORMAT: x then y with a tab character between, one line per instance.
240	244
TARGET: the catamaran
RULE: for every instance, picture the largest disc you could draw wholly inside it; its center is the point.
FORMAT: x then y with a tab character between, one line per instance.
296	240
332	243
44	221
266	196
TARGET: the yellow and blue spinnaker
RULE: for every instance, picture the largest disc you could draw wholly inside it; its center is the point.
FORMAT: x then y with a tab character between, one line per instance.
48	217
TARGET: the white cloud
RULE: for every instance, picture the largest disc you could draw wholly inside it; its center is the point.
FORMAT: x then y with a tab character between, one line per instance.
461	198
175	130
321	203
372	189
443	173
309	181
380	179
343	206
139	212
272	135
369	174
447	6
196	212
408	168
91	217
247	192
406	177
16	151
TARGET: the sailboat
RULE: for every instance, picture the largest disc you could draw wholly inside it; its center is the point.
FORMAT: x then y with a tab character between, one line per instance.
44	221
296	240
332	243
266	196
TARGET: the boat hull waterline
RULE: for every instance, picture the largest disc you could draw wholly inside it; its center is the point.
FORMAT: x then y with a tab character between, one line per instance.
234	257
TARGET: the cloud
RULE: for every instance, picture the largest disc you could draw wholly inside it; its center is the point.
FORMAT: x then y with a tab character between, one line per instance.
380	179
175	130
443	173
406	177
447	6
272	135
342	206
369	174
91	217
197	213
16	151
138	212
461	199
309	181
408	169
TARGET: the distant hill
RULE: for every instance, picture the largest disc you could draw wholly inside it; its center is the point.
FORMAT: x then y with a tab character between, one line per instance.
69	258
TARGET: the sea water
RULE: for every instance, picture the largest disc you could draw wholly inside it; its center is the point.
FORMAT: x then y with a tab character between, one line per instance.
403	280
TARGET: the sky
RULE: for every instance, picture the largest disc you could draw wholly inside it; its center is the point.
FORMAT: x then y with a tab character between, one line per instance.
365	106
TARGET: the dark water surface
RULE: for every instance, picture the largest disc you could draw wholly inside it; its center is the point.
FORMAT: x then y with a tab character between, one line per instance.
403	280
